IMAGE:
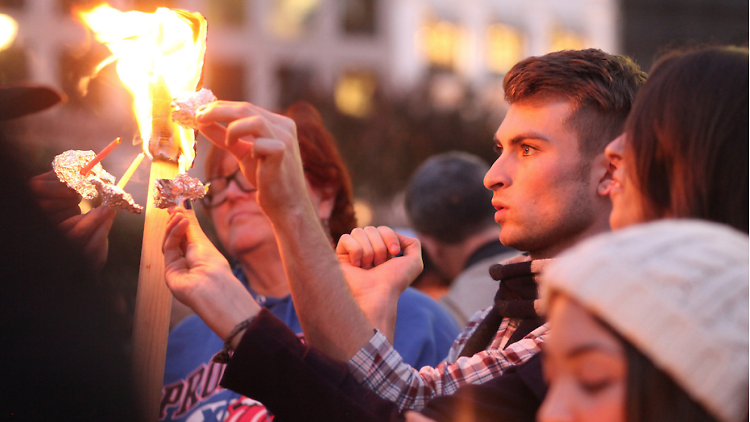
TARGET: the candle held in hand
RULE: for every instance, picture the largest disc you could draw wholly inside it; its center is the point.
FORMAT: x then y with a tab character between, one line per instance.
87	168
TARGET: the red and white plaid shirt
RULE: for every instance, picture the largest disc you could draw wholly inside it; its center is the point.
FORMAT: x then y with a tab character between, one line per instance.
380	368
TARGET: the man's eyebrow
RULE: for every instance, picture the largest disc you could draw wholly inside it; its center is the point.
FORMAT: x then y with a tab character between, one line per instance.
523	137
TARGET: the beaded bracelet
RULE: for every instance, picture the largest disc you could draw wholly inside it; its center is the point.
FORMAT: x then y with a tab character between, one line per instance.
225	355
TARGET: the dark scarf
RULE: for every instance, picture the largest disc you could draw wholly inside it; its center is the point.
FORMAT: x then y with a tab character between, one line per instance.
489	249
514	299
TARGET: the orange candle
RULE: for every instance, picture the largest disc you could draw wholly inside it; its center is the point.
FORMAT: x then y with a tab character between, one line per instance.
87	168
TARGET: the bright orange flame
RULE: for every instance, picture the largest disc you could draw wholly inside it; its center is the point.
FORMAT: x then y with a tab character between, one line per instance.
164	48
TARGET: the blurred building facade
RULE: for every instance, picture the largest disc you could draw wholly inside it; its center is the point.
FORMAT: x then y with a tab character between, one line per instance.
265	51
270	51
650	26
398	80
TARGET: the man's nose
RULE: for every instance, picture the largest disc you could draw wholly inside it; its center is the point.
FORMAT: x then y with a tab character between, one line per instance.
498	175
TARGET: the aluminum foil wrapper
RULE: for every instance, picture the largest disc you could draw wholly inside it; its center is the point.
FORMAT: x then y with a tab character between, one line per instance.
116	198
68	166
171	192
184	107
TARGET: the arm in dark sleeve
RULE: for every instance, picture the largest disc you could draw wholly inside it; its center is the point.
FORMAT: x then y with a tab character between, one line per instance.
296	381
514	396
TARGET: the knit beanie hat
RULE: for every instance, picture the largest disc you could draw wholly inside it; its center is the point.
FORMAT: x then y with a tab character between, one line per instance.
678	291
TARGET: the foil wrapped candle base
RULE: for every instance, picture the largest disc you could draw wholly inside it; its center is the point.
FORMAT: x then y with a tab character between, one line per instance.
116	198
96	182
68	166
184	107
171	192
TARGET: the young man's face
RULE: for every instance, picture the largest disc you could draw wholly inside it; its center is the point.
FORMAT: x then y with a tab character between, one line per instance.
544	195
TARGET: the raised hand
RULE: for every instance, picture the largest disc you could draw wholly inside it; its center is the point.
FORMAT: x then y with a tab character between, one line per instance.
376	278
265	145
200	277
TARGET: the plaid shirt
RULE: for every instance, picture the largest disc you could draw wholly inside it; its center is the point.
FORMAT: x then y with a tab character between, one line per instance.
381	369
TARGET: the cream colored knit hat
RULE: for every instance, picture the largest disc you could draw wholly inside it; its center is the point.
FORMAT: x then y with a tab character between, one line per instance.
678	291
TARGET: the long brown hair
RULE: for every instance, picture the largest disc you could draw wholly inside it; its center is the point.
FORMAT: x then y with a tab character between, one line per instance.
324	168
688	137
653	396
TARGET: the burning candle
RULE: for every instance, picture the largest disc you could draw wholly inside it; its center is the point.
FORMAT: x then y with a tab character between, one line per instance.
129	173
87	168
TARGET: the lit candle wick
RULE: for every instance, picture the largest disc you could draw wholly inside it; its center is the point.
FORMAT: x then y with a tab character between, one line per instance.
87	168
129	173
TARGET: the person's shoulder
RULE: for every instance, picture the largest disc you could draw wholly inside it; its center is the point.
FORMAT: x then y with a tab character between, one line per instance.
413	297
416	304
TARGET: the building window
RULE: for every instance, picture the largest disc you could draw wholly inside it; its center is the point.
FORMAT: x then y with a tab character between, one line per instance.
355	92
295	84
226	80
440	42
226	13
290	19
505	47
564	39
359	17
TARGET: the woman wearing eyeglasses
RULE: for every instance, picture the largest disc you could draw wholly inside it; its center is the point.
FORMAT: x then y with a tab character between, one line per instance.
424	330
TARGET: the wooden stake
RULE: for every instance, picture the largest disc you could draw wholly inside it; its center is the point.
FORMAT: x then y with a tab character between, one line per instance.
153	302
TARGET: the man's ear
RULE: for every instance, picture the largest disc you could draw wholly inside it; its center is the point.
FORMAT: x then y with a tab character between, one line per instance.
601	174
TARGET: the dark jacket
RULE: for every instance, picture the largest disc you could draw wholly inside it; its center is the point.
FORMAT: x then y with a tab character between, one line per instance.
300	383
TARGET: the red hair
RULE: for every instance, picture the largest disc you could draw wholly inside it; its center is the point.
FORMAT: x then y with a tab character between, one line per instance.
323	165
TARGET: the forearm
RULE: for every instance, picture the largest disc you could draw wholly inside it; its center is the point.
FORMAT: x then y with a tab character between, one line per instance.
382	316
224	303
272	366
330	317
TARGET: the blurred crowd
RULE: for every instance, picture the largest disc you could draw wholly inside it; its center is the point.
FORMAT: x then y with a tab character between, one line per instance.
597	270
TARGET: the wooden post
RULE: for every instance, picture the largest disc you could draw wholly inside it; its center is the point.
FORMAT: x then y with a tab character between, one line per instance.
153	302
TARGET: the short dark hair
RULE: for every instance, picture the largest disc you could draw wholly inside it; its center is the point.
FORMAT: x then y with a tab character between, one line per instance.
446	197
601	87
688	137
